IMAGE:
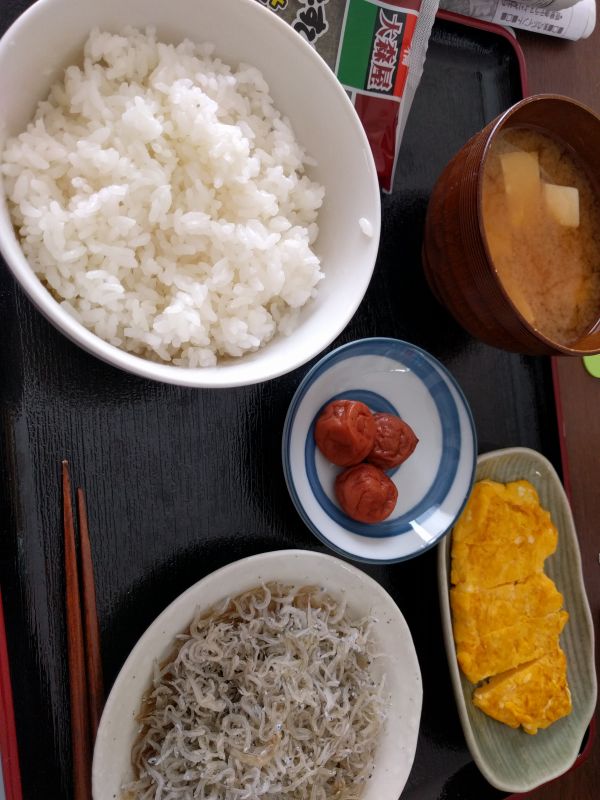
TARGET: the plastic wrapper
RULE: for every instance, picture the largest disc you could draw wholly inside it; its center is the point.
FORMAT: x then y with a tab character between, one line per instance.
566	19
377	50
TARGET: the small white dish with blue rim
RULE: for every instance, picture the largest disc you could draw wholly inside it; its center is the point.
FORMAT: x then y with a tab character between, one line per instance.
396	377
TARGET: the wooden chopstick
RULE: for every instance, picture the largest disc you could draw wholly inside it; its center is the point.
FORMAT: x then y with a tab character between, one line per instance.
95	683
80	722
83	641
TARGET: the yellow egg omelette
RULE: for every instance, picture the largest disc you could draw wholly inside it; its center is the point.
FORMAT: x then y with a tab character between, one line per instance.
507	613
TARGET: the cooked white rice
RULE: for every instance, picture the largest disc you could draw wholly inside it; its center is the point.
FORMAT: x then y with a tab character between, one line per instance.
164	201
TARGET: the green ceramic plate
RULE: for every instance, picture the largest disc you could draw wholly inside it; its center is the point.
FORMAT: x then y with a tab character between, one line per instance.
512	760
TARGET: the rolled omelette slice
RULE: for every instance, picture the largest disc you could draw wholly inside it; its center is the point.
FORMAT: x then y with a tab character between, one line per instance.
509	647
487	501
475	613
503	535
534	695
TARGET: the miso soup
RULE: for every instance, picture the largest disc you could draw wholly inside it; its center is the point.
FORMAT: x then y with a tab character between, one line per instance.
541	218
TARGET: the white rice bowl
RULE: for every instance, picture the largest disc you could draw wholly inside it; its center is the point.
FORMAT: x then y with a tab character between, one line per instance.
50	36
164	201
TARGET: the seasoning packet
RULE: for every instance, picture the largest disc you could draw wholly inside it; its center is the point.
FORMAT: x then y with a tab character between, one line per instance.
377	50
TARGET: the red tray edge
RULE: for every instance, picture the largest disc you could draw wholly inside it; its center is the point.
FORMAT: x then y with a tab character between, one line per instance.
9	753
498	30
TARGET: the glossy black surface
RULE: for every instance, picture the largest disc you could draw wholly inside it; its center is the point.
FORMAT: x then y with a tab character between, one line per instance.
180	482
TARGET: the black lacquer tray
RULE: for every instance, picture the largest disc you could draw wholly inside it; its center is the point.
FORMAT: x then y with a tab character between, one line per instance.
180	482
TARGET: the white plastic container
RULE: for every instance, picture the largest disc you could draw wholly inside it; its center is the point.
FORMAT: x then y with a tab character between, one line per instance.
565	19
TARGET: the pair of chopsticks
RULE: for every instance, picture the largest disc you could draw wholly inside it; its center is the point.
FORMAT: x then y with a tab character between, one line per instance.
83	640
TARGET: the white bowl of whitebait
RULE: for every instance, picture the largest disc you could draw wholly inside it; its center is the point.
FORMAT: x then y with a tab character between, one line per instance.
287	674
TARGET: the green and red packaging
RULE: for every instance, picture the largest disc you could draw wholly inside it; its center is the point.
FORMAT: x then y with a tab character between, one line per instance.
377	50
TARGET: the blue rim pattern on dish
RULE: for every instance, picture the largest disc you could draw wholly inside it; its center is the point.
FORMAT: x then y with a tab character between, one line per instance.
456	424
